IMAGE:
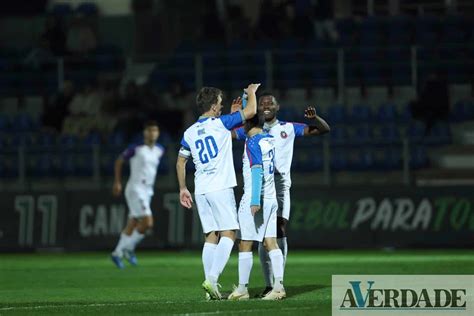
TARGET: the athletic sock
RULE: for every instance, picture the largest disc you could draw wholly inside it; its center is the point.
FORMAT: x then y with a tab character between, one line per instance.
135	239
121	245
221	256
276	257
207	257
245	267
283	245
266	265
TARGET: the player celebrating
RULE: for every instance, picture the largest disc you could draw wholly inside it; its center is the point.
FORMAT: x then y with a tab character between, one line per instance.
258	210
209	143
144	160
284	134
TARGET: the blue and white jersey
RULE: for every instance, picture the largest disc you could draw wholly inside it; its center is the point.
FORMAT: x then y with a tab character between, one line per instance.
209	142
144	161
259	151
284	134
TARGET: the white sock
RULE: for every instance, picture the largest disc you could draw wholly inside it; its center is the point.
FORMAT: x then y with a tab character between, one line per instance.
283	245
266	265
276	257
135	239
121	245
245	267
221	256
207	257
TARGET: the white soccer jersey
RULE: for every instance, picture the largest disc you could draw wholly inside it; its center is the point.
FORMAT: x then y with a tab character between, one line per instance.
209	142
259	150
284	134
144	161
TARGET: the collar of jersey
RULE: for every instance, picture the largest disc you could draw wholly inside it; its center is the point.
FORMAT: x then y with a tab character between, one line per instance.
268	126
203	118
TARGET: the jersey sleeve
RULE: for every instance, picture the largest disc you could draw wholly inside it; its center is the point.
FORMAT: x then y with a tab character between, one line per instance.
299	129
254	153
185	150
240	133
233	120
128	153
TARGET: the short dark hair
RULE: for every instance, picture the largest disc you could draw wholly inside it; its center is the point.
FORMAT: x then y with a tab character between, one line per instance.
206	97
257	121
267	94
150	123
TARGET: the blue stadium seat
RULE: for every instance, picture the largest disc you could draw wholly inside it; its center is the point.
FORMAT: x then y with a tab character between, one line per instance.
389	134
389	159
416	132
418	157
93	138
23	123
462	111
117	138
87	8
68	140
360	113
399	30
386	113
336	114
362	160
67	165
4	123
338	136
361	135
440	134
61	9
46	139
339	160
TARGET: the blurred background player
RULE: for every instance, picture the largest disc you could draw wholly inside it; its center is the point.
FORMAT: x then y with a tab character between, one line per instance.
144	160
209	143
284	134
258	209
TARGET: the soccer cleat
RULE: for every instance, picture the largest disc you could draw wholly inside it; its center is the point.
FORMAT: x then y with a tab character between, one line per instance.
264	292
131	257
238	296
275	295
117	261
212	290
208	297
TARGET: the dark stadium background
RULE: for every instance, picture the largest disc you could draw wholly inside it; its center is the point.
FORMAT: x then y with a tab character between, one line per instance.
394	79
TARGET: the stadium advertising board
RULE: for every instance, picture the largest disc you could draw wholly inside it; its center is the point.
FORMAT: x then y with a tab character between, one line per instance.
326	218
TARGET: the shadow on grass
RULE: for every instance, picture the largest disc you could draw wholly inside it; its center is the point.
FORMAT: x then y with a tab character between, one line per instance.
292	290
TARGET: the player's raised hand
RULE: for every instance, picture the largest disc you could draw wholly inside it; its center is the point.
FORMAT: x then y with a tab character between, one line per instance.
254	209
236	105
252	88
117	188
310	113
185	198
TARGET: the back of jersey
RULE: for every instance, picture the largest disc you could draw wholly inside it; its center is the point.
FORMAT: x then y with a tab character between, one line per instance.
209	142
260	150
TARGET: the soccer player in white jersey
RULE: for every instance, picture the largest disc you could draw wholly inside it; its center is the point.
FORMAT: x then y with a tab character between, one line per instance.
258	210
209	143
284	134
144	160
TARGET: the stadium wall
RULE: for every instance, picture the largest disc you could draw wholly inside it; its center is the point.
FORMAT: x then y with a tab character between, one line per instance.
342	217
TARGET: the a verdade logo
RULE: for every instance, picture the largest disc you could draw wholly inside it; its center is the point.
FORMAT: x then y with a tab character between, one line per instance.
402	294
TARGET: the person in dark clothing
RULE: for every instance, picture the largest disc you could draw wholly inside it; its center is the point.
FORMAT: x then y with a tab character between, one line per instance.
55	113
433	102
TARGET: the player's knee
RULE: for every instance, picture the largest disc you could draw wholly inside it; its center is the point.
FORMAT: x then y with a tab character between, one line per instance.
281	227
270	244
245	246
228	233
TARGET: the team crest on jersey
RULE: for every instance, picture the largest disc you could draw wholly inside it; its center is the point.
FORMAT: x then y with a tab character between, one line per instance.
201	131
283	134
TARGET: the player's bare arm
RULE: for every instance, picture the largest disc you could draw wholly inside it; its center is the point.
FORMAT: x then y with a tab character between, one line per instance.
117	187
184	195
234	107
320	126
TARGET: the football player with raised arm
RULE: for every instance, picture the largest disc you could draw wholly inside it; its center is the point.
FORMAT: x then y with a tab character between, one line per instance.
209	143
284	134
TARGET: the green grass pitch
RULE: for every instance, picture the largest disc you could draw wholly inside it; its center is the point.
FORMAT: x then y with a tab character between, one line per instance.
169	282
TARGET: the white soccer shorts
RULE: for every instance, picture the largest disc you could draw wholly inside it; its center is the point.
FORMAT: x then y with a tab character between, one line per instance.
138	203
217	210
283	197
262	225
